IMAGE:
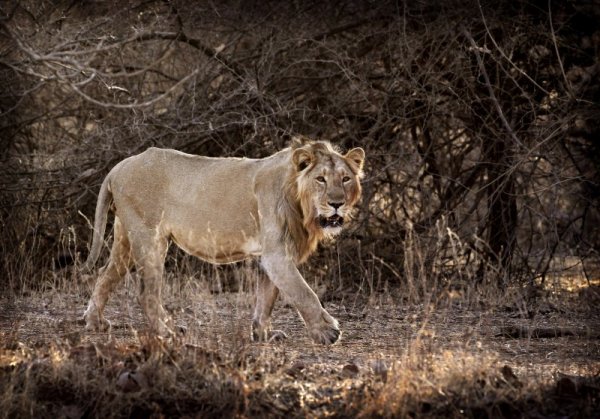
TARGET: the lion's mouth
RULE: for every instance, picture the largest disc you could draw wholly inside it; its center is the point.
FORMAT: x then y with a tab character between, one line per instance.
334	221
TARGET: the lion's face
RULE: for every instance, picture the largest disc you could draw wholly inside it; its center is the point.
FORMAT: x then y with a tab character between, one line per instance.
328	184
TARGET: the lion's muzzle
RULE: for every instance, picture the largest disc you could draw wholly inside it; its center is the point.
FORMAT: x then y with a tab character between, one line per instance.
331	222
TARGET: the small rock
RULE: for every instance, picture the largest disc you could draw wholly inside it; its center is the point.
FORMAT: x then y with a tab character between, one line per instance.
295	370
510	377
350	370
131	381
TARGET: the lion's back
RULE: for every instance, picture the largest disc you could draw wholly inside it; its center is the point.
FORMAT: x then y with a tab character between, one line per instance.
183	192
168	172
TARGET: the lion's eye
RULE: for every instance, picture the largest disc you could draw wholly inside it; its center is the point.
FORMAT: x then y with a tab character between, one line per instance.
320	179
346	179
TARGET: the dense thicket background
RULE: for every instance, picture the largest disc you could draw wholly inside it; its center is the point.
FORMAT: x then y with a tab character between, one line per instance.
480	120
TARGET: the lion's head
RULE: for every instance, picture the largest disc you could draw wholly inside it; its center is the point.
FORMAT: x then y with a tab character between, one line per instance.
322	188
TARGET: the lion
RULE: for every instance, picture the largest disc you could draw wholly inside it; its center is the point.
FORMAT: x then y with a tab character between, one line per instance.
225	210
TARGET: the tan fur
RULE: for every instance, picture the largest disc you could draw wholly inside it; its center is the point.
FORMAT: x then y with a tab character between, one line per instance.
225	210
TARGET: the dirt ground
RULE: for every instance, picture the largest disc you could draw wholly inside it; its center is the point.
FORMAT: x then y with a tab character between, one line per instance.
539	342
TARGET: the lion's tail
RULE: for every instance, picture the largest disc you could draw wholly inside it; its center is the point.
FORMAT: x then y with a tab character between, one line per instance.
102	207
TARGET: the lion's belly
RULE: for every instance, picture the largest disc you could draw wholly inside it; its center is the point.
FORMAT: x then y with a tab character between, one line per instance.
213	225
217	247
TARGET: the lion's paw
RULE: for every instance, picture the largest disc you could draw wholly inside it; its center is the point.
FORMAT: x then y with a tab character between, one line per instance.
262	333
94	322
165	327
270	336
326	331
259	332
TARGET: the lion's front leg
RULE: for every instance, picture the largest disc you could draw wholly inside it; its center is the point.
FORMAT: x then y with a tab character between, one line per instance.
322	327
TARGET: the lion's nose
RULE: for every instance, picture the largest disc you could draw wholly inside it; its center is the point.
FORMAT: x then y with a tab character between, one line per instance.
335	205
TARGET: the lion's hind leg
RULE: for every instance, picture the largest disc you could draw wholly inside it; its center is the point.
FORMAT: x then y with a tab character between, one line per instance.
115	270
149	252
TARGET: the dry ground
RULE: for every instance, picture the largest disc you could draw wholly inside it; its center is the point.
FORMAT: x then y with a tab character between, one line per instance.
457	356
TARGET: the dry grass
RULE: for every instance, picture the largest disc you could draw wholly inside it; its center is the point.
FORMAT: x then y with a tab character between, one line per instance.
447	358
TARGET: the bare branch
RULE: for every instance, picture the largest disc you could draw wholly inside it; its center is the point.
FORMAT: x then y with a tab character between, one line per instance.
488	84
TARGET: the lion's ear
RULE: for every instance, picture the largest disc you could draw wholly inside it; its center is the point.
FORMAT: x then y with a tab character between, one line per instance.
299	141
302	158
357	157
